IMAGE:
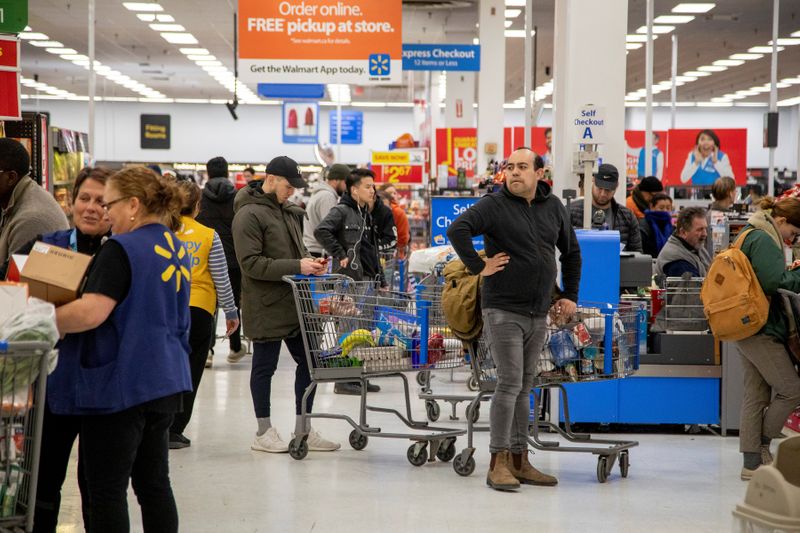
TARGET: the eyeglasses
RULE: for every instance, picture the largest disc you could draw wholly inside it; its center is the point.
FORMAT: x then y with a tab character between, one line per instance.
108	205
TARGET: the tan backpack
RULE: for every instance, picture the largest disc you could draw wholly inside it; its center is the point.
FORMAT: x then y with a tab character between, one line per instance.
733	300
461	302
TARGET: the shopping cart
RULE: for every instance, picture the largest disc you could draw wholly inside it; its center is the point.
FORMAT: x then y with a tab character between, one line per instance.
353	331
574	352
22	394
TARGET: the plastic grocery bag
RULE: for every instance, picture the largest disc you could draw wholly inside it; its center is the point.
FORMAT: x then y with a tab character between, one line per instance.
562	348
37	322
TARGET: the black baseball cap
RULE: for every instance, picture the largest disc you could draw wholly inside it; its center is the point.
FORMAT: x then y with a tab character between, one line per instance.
286	167
607	177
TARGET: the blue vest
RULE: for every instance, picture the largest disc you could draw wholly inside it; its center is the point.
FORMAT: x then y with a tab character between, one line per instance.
706	174
640	165
141	352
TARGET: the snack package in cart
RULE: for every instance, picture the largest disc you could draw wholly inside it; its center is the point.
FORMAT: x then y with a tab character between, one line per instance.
562	348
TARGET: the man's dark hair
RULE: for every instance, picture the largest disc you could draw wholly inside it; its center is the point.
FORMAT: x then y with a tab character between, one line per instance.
217	167
251	170
538	162
659	197
356	176
686	217
14	156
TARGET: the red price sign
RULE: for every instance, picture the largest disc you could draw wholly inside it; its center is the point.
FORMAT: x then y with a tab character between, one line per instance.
9	53
9	79
398	173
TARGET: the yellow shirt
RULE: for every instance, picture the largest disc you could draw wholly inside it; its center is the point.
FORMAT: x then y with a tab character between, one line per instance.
198	240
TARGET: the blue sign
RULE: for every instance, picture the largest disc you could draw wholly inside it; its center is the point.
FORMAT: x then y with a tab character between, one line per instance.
300	122
444	210
442	57
352	127
305	91
379	65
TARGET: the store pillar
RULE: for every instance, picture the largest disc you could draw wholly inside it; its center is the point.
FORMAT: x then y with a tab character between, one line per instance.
589	68
459	108
491	82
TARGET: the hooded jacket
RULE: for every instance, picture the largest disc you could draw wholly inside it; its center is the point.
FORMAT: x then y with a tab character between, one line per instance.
624	221
322	201
216	212
529	234
268	237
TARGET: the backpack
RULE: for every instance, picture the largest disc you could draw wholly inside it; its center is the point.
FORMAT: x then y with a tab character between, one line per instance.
461	302
733	301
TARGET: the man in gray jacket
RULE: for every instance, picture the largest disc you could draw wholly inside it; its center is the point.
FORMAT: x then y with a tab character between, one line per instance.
322	201
28	209
268	237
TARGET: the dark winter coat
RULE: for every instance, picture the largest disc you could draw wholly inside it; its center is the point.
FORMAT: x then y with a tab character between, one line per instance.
216	212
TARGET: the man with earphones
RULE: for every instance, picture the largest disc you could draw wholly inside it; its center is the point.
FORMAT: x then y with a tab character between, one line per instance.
348	235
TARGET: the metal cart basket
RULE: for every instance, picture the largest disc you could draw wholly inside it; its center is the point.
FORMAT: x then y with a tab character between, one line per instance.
23	382
353	331
574	352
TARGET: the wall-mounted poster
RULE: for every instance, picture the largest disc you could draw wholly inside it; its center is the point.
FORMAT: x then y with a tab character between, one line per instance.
300	124
697	157
635	161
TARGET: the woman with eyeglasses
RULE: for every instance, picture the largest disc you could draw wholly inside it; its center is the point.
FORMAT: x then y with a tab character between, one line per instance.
60	431
771	383
133	362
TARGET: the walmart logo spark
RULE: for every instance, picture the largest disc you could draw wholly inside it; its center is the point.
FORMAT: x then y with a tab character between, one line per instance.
379	65
172	270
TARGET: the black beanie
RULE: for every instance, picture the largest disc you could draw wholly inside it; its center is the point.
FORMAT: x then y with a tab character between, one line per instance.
651	184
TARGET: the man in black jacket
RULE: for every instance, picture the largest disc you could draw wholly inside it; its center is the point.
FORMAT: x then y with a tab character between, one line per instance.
216	212
606	212
522	225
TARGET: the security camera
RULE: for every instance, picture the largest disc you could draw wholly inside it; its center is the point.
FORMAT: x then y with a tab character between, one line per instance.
232	108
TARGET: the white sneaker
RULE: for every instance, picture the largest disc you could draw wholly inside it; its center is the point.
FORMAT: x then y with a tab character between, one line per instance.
270	442
235	357
316	442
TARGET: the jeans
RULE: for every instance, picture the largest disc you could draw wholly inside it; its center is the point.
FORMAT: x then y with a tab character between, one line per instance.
128	446
58	436
265	361
771	390
200	337
515	342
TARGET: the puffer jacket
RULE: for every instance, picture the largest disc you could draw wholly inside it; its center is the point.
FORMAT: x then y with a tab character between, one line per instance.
268	237
216	212
624	221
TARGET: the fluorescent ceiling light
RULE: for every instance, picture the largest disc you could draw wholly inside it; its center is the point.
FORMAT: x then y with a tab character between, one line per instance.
728	62
47	44
167	27
508	23
633	46
179	38
673	19
656	29
516	3
201	57
476	41
194	51
763	49
712	68
685	78
747	93
32	36
752	104
61	51
782	85
789	101
146	17
720	99
165	18
209	63
143	6
714	104
637	38
693	8
517	33
747	57
512	13
760	89
696	73
733	96
791	81
786	42
75	57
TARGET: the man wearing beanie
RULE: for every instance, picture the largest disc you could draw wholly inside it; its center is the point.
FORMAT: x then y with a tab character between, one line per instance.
322	201
642	194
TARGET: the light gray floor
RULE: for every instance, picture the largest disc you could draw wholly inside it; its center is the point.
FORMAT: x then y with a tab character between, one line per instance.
676	483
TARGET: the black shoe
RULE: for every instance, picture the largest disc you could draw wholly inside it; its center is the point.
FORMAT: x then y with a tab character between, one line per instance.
177	441
350	389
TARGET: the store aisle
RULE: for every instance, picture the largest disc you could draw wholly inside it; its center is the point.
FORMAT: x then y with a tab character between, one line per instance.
676	483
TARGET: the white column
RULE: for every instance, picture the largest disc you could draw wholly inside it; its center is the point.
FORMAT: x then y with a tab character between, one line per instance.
460	97
491	82
589	68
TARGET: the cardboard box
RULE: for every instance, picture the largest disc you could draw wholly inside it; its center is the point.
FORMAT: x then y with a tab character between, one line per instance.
13	299
55	274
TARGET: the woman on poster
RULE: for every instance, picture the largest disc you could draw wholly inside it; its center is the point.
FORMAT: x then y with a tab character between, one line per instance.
706	162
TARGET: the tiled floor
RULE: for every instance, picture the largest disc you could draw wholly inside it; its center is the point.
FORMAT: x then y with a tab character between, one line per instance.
677	482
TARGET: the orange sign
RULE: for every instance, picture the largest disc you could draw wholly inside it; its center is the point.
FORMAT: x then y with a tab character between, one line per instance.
286	41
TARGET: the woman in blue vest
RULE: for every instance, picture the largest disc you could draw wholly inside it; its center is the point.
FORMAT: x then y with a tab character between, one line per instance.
60	431
706	162
133	367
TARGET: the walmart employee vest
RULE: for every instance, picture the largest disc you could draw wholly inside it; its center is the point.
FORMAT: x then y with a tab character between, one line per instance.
198	240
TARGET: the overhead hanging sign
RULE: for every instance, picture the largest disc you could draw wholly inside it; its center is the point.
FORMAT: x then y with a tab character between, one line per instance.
590	125
13	15
463	57
352	127
154	132
283	41
300	122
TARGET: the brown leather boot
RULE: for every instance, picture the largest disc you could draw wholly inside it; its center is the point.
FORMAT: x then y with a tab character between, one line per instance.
499	476
523	470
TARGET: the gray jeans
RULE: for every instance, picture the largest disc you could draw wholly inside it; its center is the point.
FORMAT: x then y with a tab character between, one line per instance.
515	343
771	390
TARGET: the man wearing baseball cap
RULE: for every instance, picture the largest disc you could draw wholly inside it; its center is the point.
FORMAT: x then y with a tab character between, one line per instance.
606	212
268	237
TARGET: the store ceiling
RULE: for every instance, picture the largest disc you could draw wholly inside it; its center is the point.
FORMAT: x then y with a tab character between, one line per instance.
127	44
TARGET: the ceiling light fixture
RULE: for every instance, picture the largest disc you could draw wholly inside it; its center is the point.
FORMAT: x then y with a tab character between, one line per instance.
673	19
712	68
167	27
508	23
32	36
165	18
656	29
517	33
200	57
763	49
696	73
179	38
747	57
786	42
46	44
633	46
143	6
694	8
728	62
512	13
61	51
194	51
146	17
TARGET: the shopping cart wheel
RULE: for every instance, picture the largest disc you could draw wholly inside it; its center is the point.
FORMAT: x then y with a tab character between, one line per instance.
446	451
357	440
624	463
474	414
602	469
298	448
417	455
423	377
433	410
472	384
463	468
